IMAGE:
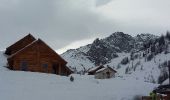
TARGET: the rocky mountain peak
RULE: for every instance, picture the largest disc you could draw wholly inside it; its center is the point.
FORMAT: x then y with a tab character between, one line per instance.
121	34
102	51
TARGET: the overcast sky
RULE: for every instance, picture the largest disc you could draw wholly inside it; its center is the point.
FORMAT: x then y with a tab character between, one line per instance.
65	24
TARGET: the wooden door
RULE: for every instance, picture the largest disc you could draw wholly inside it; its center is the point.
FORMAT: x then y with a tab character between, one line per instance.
108	74
55	68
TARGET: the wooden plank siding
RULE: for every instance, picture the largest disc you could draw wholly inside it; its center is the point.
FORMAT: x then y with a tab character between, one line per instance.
159	97
38	57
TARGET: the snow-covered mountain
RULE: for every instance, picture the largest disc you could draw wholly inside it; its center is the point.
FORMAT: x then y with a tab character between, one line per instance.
102	51
130	56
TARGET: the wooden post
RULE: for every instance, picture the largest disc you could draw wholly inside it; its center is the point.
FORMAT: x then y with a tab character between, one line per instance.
38	58
169	70
59	69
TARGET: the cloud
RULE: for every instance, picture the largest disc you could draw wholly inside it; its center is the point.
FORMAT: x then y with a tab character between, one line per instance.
61	23
138	16
102	2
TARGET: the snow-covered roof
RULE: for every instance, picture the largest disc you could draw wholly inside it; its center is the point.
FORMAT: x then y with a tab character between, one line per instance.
166	82
102	69
94	68
69	68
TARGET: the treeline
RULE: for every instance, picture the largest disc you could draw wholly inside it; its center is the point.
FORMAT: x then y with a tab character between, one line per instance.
158	45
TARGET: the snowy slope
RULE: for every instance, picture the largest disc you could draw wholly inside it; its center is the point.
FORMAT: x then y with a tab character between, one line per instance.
20	85
148	71
38	86
77	58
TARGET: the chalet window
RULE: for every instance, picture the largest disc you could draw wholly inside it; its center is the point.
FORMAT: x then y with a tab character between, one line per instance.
24	65
45	67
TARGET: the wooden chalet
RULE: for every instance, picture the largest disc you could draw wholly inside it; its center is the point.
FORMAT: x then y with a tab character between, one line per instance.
105	73
36	56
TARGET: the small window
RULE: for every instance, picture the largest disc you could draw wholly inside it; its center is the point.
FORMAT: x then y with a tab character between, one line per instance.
45	67
23	65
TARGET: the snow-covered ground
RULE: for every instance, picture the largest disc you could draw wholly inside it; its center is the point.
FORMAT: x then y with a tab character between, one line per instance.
19	85
3	61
